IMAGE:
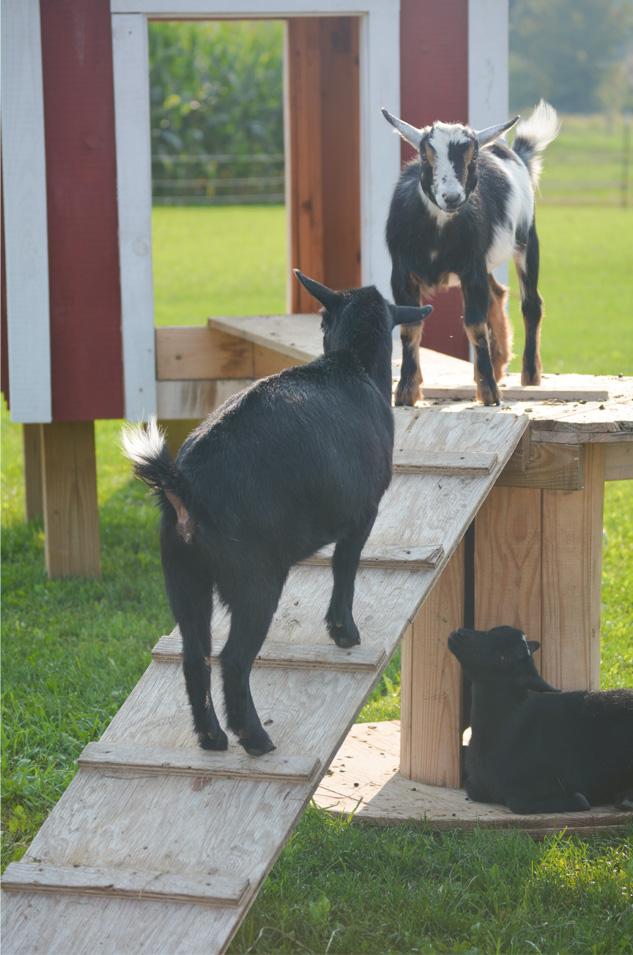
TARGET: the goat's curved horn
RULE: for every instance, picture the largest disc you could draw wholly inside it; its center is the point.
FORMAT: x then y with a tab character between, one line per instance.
409	314
321	293
487	135
410	133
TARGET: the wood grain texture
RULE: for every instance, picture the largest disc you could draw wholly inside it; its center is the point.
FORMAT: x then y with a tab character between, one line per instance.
436	462
197	762
212	888
572	579
71	513
384	556
364	780
178	400
273	653
430	750
199	352
553	466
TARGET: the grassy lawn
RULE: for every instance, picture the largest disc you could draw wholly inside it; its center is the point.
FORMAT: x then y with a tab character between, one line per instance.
72	650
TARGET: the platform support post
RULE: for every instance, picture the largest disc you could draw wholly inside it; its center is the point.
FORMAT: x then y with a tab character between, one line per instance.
32	457
538	566
572	579
430	712
71	514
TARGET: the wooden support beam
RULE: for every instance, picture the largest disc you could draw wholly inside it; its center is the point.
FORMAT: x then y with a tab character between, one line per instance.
572	579
199	352
507	562
33	490
618	461
71	514
554	466
430	712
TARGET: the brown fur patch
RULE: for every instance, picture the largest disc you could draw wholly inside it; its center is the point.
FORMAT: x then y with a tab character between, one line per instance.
500	330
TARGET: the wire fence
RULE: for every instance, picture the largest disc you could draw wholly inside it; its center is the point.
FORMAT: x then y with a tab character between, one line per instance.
218	179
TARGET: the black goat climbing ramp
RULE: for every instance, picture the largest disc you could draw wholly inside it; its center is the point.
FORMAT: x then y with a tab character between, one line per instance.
159	847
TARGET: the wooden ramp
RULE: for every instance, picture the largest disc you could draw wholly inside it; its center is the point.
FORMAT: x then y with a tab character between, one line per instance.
160	847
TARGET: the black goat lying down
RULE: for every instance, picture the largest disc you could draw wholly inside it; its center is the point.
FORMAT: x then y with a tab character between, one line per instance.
536	749
461	209
294	462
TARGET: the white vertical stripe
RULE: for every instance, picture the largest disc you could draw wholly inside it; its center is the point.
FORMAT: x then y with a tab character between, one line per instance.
25	219
488	71
380	145
134	192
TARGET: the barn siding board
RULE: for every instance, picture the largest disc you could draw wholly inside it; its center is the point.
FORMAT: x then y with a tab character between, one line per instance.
434	85
85	297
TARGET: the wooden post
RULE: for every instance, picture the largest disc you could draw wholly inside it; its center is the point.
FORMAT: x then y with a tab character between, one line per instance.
508	560
32	455
71	515
572	579
430	711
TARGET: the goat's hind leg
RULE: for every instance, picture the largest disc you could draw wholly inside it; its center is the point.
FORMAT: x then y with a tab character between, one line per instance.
527	265
499	328
252	609
190	593
339	619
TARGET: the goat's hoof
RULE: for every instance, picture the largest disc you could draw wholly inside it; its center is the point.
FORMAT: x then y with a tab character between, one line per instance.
531	378
580	803
488	396
218	742
624	801
407	393
344	637
257	745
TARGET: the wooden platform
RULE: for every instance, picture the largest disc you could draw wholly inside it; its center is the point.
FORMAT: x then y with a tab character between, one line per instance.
364	781
157	846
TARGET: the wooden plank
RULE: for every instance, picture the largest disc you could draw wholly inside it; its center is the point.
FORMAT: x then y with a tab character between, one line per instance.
33	487
134	195
197	762
195	399
553	466
508	561
386	556
274	653
71	513
200	352
554	387
618	461
267	361
297	336
430	750
211	888
421	461
364	782
25	213
572	580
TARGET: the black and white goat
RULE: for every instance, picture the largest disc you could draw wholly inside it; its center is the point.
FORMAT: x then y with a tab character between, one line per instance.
535	749
460	210
294	462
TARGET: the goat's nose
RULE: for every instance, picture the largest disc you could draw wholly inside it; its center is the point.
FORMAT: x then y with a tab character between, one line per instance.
452	199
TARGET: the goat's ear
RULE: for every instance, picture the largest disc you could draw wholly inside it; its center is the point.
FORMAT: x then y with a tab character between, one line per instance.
486	136
410	133
533	645
321	293
408	314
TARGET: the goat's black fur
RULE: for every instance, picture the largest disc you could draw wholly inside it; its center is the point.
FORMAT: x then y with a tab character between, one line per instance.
464	207
297	461
535	749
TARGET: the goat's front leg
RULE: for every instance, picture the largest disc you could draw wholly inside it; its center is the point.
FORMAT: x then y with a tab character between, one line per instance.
476	305
527	265
339	619
555	802
408	390
500	330
252	611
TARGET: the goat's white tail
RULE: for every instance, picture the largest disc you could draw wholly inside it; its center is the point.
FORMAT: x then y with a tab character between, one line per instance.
146	447
533	135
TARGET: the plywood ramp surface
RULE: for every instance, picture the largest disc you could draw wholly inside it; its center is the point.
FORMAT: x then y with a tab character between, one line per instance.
159	847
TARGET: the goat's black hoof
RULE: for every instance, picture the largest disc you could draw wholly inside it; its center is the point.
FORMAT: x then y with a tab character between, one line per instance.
219	742
344	635
257	745
580	803
624	801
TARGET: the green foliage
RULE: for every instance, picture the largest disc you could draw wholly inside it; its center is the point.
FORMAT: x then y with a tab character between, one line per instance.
215	89
564	50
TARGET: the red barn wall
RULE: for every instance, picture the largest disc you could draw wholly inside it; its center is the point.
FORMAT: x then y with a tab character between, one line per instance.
85	297
434	85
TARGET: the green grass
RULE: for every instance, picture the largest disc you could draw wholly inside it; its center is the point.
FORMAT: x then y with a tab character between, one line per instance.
72	650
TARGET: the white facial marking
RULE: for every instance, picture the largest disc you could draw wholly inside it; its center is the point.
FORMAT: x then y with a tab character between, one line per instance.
445	178
526	644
